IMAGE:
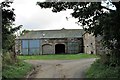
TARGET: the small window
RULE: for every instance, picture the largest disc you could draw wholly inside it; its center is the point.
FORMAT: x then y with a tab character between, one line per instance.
91	52
91	43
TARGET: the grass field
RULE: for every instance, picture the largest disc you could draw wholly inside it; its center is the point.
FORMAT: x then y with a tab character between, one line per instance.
57	57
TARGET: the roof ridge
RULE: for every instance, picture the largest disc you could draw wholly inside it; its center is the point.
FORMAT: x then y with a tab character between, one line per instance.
54	30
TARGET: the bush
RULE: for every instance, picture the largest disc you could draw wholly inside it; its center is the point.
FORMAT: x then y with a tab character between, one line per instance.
7	59
18	70
12	68
99	70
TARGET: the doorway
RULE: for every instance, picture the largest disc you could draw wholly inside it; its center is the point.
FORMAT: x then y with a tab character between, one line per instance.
59	48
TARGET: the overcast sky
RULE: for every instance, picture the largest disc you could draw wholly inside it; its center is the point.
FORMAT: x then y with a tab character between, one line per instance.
32	17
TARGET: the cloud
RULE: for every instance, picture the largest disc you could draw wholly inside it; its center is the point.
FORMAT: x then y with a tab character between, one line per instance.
32	17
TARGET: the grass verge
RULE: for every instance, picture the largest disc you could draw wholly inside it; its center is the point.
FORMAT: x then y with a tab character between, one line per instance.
57	57
17	70
98	70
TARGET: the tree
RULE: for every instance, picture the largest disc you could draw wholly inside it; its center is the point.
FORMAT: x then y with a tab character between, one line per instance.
8	17
8	36
24	32
95	20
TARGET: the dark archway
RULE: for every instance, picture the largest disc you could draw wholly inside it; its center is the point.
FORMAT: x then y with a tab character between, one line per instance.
59	48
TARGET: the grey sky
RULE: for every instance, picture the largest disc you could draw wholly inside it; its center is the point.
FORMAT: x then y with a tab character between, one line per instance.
32	17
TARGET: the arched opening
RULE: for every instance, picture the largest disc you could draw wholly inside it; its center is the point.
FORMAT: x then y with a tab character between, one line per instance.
59	48
47	49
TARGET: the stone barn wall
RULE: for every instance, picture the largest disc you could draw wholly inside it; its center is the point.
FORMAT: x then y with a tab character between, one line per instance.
48	46
52	43
72	45
93	45
89	43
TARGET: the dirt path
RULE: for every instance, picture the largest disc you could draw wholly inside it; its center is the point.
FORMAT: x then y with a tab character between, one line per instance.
60	68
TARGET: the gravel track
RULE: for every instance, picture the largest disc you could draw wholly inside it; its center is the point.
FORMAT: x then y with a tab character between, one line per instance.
60	68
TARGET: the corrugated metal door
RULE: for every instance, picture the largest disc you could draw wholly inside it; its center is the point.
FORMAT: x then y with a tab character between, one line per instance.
34	46
73	47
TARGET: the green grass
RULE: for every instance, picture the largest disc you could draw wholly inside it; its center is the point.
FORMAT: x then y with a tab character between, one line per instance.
98	70
57	57
17	70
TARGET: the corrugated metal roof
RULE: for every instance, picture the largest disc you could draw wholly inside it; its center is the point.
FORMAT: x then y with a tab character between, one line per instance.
63	33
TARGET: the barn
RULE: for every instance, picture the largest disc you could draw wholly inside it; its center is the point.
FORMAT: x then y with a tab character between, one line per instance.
63	41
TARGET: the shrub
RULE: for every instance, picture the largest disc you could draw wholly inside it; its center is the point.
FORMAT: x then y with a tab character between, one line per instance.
18	70
99	70
12	68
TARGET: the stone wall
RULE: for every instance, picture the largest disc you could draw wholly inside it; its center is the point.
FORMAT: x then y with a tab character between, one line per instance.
48	46
89	43
18	46
64	41
93	44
